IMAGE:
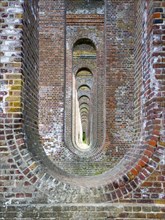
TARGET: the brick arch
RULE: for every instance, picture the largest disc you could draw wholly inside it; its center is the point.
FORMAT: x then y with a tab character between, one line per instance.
73	42
83	69
87	41
32	163
84	86
84	96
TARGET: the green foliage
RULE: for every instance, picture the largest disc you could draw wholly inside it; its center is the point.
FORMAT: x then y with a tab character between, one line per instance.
84	138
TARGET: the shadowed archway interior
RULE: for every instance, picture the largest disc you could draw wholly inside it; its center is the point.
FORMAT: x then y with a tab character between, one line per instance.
82	107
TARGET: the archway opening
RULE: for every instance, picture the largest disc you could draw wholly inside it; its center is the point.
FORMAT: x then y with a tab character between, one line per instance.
84	50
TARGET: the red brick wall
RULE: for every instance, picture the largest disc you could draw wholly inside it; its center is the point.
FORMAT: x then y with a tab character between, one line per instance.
135	186
52	66
120	30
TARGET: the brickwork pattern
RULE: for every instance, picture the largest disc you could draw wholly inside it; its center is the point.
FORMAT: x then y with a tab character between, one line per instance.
120	29
117	120
92	212
29	177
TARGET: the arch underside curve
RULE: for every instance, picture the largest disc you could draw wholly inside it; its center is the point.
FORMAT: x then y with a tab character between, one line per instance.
23	142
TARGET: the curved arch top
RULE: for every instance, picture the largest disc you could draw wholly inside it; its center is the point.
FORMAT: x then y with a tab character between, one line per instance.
25	158
82	71
84	87
86	41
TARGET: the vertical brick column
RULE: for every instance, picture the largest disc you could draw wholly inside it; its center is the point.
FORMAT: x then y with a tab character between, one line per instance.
11	46
149	56
52	65
18	68
10	89
119	75
158	74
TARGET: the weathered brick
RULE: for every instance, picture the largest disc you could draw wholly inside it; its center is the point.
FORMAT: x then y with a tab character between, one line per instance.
128	99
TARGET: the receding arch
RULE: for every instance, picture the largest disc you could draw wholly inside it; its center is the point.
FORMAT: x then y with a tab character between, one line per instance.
84	88
84	112
84	41
84	97
84	75
123	176
84	48
84	69
84	107
84	72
